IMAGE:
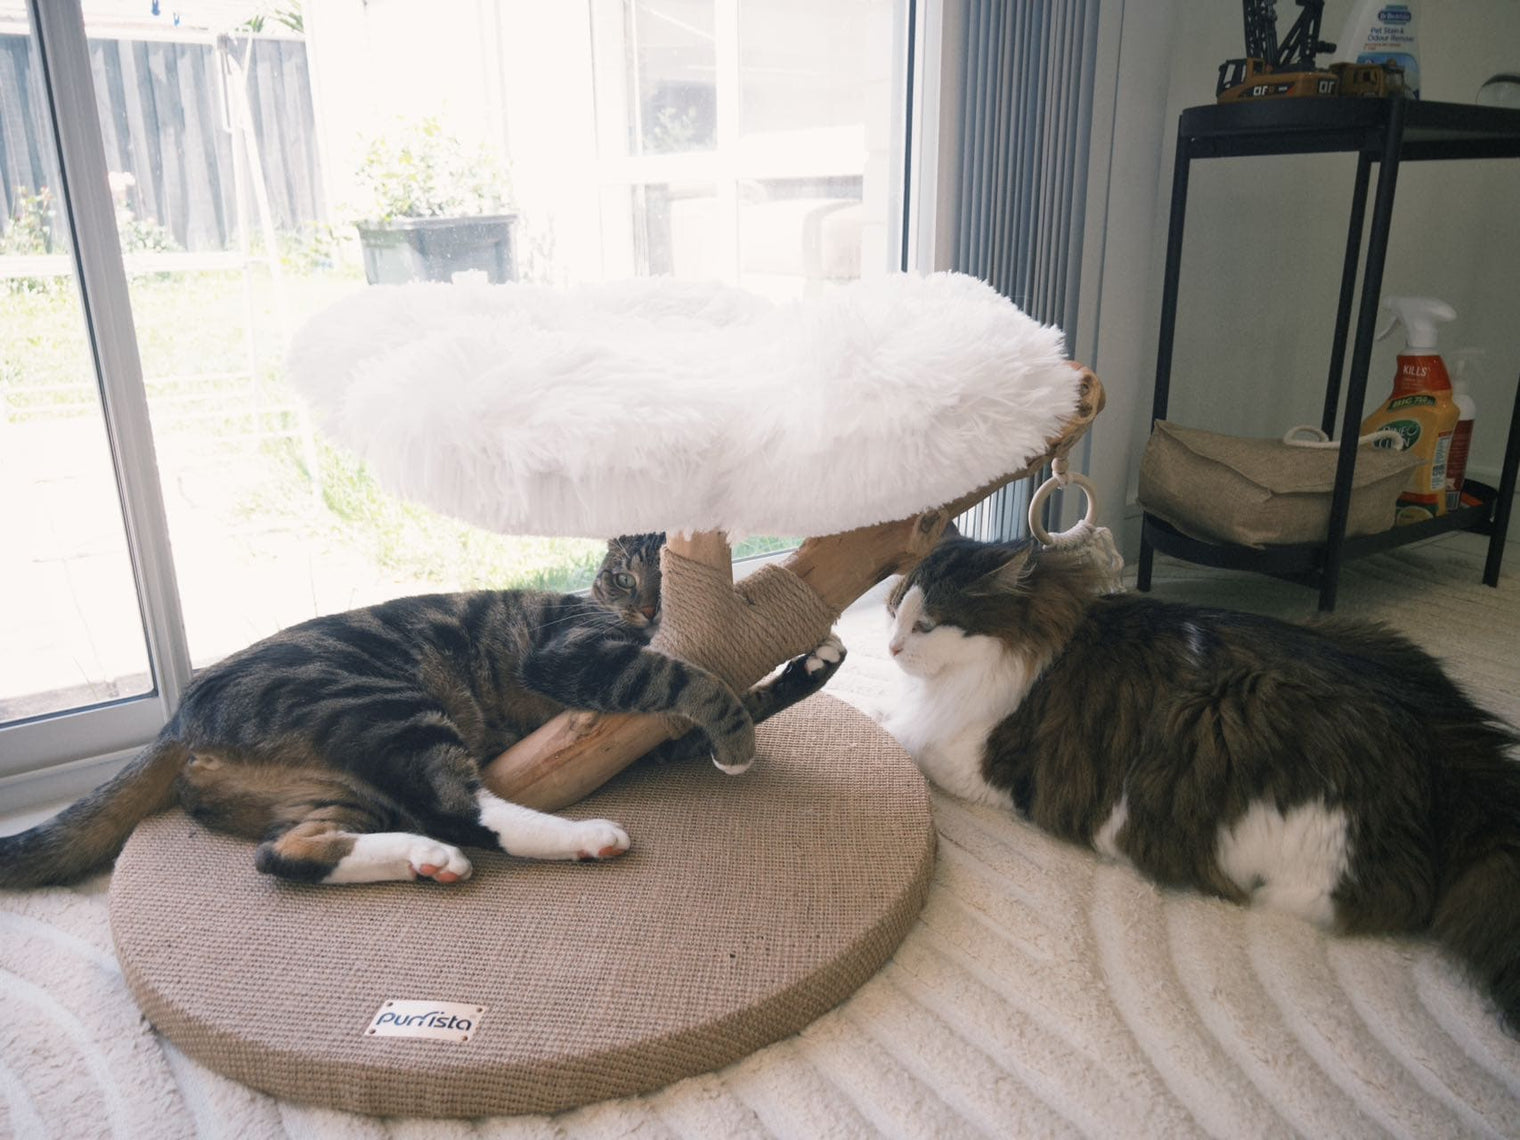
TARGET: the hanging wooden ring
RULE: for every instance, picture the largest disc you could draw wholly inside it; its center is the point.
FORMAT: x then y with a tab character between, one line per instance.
1089	520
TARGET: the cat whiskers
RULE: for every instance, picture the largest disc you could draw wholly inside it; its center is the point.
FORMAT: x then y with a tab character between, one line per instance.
606	619
596	618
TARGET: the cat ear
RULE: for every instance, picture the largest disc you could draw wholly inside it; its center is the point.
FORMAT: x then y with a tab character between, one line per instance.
1010	574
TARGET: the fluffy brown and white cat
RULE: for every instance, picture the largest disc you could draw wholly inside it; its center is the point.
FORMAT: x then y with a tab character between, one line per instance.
1330	770
350	746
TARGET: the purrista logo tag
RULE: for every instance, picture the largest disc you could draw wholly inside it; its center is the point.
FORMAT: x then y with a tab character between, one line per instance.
430	1020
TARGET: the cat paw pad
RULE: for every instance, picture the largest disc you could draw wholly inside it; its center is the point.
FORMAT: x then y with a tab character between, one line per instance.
599	839
439	862
830	652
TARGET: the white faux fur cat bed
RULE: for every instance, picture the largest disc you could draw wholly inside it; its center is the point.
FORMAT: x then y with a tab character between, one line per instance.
658	404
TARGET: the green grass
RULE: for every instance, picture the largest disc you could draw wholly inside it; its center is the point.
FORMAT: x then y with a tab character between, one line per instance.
188	325
208	413
410	540
757	545
44	356
214	421
417	543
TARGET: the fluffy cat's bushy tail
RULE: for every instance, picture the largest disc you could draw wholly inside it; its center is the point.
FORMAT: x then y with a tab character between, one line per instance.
1477	914
1478	920
88	834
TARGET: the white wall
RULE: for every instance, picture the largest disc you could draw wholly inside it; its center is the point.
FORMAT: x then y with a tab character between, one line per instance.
1265	239
1138	171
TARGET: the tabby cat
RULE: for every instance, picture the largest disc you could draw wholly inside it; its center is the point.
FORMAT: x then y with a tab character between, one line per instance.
1331	770
350	746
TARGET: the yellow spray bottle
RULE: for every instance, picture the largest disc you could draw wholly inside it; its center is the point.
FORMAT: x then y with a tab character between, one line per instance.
1421	408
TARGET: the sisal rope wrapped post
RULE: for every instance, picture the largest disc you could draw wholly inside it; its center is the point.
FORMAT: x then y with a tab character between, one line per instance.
742	632
738	632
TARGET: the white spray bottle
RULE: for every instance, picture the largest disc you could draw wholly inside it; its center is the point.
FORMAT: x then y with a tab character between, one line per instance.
1382	32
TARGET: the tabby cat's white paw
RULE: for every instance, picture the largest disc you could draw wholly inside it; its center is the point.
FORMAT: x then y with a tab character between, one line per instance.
735	752
387	856
599	839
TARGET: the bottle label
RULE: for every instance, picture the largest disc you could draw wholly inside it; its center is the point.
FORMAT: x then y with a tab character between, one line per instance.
1423	373
1438	463
1409	430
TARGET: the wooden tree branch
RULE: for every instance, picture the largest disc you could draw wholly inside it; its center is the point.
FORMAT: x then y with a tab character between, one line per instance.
575	753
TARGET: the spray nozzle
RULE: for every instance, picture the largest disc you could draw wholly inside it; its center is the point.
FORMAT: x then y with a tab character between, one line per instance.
1419	316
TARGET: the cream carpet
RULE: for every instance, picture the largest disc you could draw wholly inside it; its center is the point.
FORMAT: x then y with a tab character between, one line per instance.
1041	993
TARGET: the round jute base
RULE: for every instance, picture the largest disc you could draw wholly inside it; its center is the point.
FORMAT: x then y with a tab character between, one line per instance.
746	908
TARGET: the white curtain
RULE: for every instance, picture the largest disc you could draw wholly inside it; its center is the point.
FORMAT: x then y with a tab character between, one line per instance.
1026	117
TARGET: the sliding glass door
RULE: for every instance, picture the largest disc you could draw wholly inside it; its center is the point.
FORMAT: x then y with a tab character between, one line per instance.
70	620
89	615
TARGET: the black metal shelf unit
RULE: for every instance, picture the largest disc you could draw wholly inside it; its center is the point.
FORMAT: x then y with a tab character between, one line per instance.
1383	131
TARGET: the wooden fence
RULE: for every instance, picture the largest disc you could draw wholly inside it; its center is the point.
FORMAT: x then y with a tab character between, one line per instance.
163	120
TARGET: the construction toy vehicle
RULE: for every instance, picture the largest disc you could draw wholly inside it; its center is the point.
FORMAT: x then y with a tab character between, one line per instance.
1273	70
1243	79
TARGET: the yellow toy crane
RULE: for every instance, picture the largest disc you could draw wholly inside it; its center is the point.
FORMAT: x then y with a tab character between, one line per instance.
1277	70
1370	80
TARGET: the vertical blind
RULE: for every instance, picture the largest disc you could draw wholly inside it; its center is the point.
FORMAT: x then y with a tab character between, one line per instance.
1026	120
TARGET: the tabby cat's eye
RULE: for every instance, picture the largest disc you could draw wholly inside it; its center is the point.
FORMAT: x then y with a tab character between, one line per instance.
623	580
922	625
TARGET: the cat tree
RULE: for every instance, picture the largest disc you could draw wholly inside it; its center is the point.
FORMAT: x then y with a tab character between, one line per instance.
868	417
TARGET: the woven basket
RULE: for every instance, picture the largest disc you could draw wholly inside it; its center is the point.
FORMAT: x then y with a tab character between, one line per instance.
1262	492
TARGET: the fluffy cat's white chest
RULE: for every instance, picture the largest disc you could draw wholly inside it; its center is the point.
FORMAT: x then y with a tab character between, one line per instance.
943	721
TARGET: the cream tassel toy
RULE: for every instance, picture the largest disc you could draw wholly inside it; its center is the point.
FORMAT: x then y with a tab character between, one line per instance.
1087	539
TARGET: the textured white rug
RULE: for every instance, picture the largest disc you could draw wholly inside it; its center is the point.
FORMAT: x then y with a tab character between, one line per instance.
1042	992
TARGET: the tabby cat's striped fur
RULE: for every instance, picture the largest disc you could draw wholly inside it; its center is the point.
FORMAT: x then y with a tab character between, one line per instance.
1331	770
350	746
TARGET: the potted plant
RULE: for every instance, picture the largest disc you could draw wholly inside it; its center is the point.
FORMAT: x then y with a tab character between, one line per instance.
433	208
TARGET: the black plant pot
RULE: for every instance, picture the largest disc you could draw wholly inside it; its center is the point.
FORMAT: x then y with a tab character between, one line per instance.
434	249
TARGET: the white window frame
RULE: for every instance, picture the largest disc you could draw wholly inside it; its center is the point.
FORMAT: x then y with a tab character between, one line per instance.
103	731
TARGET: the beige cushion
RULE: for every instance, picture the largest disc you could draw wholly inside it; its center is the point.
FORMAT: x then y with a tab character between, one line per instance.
1262	492
747	907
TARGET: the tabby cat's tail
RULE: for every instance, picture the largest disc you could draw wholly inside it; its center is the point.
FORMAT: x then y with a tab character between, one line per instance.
88	834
